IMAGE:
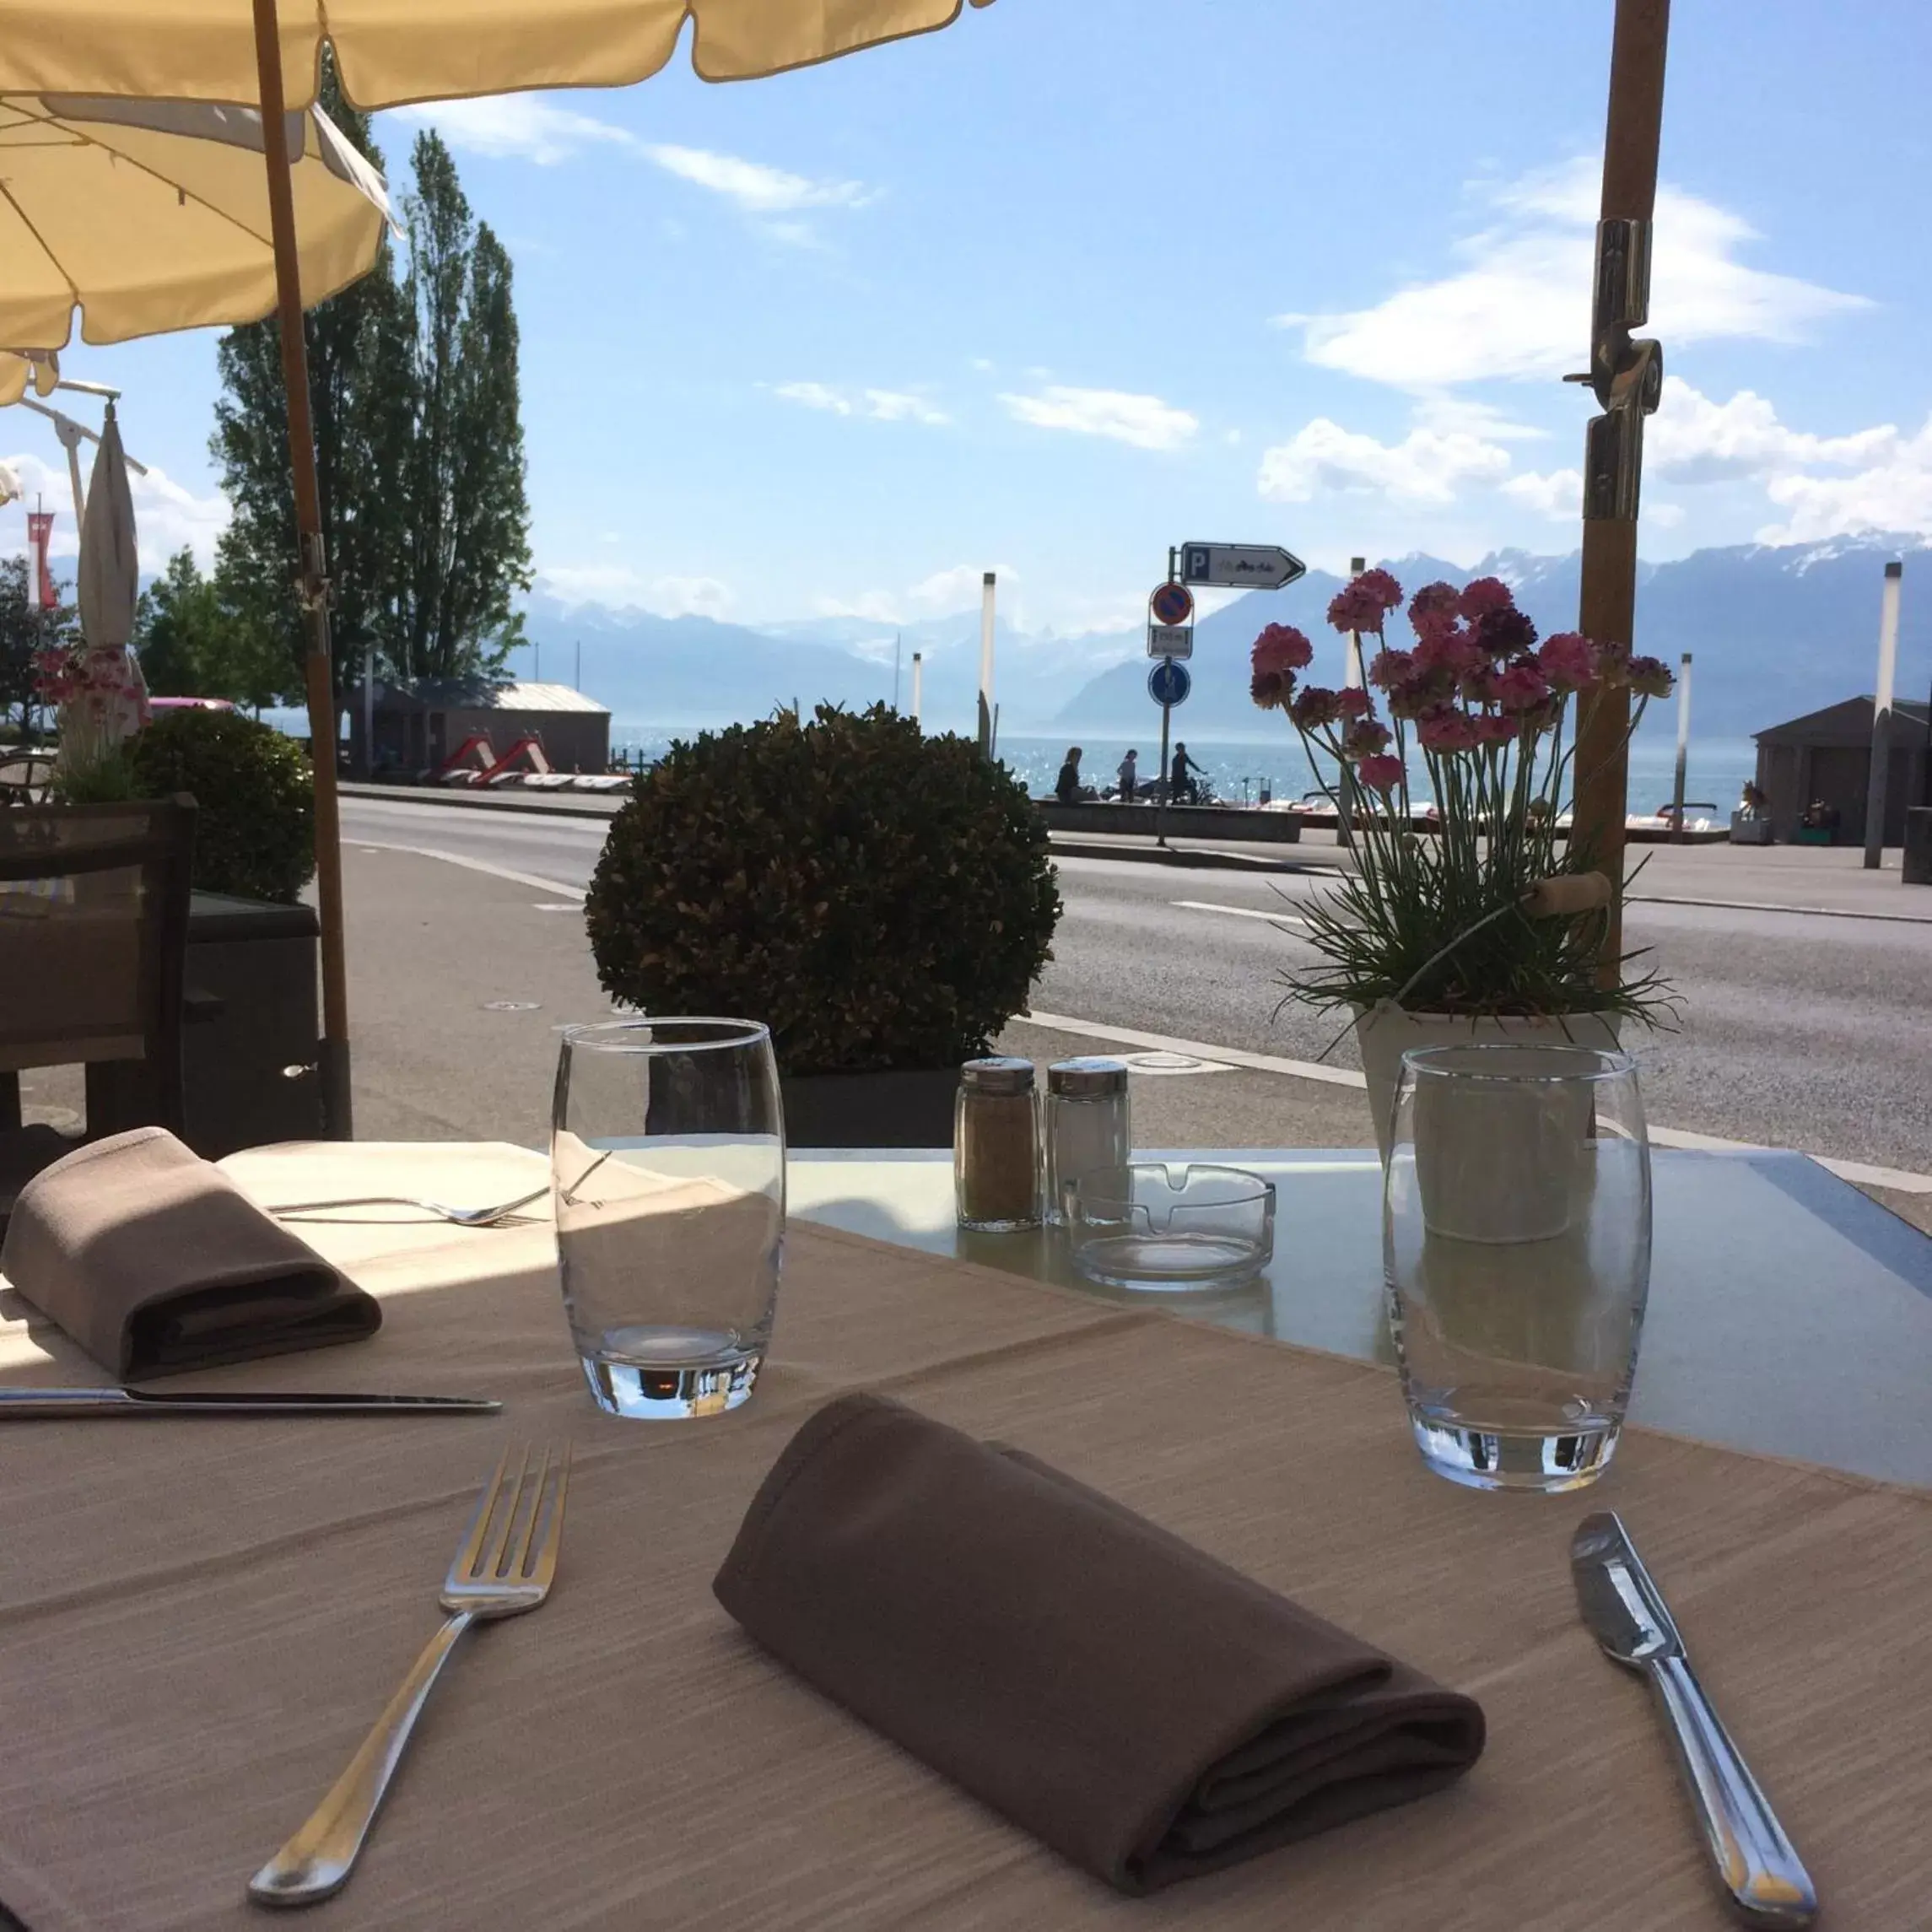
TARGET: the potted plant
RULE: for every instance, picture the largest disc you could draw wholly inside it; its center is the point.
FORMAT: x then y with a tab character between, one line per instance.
1432	939
881	900
254	832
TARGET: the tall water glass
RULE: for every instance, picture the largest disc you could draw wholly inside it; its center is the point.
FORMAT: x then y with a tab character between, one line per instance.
1516	1251
667	1172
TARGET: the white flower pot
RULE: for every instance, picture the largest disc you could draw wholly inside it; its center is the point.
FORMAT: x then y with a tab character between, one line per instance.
1385	1033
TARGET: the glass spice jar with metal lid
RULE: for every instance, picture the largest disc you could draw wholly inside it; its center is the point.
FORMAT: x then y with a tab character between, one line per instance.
1088	1125
995	1145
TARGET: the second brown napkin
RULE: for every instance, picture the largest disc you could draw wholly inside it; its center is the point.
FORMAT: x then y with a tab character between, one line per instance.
1145	1710
155	1262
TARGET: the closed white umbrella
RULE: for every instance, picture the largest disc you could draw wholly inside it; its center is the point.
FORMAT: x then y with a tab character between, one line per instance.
110	584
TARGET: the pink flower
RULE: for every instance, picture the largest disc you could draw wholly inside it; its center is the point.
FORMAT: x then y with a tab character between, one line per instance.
1316	708
1364	738
1281	647
1434	607
1450	651
1504	633
1362	604
1483	596
1567	660
1498	731
1380	775
1650	677
1270	689
1447	731
1521	687
1353	702
1388	668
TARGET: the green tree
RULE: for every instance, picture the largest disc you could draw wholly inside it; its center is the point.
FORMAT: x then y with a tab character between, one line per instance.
354	352
197	639
465	544
25	629
420	448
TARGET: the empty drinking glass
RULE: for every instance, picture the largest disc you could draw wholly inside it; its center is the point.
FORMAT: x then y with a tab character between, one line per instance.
667	1169
1516	1251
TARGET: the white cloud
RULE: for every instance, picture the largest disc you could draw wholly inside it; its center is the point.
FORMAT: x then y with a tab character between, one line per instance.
814	395
518	126
753	186
880	405
898	405
1144	421
1428	466
1693	440
1519	306
168	516
1559	494
945	593
1894	492
618	584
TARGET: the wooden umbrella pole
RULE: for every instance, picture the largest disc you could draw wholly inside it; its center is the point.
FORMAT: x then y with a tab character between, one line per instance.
313	575
1627	377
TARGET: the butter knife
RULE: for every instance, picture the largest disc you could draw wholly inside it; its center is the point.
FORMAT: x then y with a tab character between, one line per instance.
1627	1616
48	1405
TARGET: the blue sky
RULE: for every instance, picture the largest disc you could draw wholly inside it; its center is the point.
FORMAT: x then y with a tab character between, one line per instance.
1076	279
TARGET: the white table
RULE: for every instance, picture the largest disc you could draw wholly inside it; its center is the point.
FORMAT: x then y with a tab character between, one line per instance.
1790	1314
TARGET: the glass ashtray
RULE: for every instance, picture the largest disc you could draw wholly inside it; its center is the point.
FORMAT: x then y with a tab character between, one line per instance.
1148	1225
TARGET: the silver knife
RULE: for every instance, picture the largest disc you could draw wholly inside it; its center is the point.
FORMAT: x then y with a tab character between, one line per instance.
1626	1614
47	1404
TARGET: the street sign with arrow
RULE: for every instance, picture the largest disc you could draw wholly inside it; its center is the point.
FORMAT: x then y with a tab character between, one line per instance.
1169	683
1240	566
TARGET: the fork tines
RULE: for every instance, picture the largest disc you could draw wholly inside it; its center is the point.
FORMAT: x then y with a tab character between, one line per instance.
504	1544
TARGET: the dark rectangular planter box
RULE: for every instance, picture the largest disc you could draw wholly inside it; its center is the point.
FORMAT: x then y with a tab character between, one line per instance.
1916	867
892	1108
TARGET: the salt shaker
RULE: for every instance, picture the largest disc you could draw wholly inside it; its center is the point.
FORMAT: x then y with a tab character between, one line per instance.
995	1145
1087	1124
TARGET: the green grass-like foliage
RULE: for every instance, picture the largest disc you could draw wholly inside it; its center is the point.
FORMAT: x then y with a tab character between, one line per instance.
255	830
878	897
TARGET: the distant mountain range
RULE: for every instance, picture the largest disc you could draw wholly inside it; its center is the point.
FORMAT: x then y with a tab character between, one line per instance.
1774	632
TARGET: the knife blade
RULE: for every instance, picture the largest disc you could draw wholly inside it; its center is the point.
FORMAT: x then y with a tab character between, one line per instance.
49	1405
1626	1612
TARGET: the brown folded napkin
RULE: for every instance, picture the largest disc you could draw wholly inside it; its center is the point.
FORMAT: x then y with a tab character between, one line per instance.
1146	1711
155	1262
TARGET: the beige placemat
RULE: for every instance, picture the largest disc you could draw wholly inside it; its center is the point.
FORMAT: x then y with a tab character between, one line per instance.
182	1673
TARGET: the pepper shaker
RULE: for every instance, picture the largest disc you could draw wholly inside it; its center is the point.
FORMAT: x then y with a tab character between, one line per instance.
995	1145
1088	1125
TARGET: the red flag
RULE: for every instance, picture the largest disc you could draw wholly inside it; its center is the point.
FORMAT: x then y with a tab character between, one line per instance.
40	529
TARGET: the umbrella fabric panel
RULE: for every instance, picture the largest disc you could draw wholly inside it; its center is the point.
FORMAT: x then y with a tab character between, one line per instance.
109	585
152	216
389	51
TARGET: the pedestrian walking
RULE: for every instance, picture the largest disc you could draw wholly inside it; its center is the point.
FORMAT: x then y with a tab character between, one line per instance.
1066	788
1129	777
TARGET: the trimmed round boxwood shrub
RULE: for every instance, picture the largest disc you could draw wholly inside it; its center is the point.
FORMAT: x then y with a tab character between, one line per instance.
878	897
255	830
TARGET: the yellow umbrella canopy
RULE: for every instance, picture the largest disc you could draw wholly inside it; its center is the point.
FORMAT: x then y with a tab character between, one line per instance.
22	369
152	215
390	52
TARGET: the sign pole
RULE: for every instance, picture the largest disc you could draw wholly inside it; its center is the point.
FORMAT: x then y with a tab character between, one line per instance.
1160	794
1683	748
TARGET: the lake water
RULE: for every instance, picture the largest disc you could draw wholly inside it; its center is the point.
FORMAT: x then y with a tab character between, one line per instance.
1245	768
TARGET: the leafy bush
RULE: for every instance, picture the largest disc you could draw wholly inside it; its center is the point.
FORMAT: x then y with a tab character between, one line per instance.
878	897
255	832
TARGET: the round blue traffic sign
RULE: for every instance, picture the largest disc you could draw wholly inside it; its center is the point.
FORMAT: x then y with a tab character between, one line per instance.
1169	683
1171	604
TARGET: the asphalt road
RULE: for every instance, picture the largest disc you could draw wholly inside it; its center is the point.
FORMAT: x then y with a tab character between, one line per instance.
1804	1032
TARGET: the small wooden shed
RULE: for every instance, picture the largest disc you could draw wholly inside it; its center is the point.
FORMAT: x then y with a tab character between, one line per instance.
417	726
1825	757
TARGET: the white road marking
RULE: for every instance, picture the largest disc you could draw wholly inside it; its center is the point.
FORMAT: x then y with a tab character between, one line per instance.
1238	911
575	893
1857	1171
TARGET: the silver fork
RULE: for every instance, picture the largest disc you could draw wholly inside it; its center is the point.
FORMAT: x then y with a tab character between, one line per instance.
462	1217
502	1567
